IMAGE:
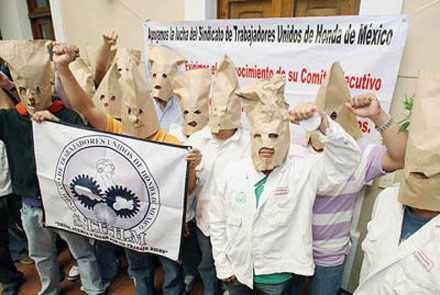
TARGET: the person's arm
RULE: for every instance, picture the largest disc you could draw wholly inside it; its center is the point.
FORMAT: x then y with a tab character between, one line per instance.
8	85
217	222
109	39
368	106
62	56
194	157
341	154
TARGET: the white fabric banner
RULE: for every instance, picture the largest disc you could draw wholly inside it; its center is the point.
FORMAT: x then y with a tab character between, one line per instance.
110	187
368	47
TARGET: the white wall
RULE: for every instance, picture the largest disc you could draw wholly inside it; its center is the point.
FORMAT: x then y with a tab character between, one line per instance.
83	21
200	9
14	21
56	9
380	7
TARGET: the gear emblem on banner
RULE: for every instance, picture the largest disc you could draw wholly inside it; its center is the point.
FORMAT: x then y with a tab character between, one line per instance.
121	200
106	181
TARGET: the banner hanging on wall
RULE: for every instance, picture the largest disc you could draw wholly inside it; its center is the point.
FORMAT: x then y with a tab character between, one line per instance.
369	49
127	191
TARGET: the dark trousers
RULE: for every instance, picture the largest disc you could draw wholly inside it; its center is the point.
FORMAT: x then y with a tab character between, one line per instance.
237	288
211	284
17	238
9	275
191	251
141	267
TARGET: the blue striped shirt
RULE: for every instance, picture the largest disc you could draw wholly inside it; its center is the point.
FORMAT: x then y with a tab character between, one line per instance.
172	114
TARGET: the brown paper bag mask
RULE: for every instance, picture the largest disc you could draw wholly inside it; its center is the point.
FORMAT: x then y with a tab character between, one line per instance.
138	114
5	101
267	111
164	63
29	63
423	147
124	56
331	98
225	111
83	75
192	90
108	96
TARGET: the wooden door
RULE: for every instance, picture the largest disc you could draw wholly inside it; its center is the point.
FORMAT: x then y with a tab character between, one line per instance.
41	19
254	8
326	7
285	8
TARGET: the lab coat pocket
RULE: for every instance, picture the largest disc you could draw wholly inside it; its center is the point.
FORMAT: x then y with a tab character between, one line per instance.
278	216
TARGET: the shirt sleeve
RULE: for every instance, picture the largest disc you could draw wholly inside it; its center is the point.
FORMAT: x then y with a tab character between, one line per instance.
340	158
373	167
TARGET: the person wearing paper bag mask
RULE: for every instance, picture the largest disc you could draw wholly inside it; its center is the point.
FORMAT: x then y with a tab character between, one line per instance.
138	119
222	141
401	249
109	93
333	213
164	64
191	89
261	211
31	71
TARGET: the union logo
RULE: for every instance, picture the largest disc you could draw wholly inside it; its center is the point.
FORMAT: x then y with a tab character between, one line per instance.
107	182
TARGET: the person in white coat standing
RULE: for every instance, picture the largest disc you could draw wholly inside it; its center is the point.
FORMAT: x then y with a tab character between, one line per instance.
402	246
261	212
221	142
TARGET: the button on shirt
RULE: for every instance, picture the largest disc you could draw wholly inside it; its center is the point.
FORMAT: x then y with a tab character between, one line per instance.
172	114
215	156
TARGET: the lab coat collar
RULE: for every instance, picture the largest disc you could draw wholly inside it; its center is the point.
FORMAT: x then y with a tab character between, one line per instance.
409	246
269	186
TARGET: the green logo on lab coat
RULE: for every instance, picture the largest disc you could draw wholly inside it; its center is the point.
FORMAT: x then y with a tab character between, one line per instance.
240	198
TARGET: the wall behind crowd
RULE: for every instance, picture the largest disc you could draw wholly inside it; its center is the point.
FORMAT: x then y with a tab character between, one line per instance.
83	21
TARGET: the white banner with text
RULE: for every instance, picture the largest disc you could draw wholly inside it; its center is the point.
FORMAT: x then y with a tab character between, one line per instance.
369	49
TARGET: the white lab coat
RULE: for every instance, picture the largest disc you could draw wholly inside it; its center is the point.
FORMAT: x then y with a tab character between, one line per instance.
413	267
176	130
277	236
214	159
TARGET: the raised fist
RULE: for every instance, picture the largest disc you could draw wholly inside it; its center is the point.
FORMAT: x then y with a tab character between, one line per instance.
110	38
64	54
